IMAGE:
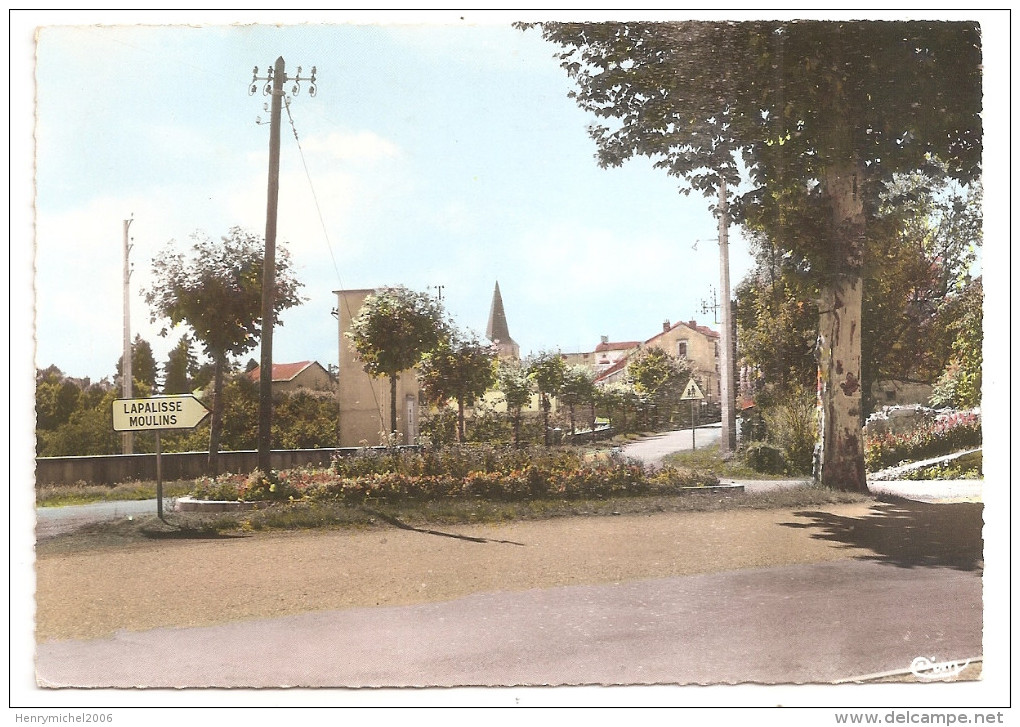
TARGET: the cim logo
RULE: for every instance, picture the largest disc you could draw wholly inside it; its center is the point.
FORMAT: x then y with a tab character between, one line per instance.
924	668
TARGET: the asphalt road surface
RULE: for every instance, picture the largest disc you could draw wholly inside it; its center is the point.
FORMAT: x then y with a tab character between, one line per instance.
652	449
817	623
51	521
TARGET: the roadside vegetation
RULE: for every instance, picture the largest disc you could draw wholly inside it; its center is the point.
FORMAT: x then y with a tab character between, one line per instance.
426	515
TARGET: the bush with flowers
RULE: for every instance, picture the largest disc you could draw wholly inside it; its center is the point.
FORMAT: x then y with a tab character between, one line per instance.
483	472
944	435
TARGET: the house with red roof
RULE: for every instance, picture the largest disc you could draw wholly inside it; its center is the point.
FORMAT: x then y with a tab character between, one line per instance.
302	376
698	344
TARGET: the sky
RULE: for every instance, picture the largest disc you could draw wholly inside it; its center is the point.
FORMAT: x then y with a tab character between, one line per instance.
431	155
439	153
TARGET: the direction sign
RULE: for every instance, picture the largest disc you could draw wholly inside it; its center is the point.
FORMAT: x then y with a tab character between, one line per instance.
691	391
179	411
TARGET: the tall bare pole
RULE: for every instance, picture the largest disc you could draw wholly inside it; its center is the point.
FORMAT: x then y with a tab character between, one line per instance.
275	79
269	273
127	438
728	438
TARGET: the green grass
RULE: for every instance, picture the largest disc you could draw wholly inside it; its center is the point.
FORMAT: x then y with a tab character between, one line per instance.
965	467
82	493
709	459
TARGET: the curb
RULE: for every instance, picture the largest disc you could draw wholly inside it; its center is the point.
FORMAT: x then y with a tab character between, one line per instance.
190	504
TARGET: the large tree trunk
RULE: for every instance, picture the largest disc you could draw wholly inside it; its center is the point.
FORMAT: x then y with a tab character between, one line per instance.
216	421
840	463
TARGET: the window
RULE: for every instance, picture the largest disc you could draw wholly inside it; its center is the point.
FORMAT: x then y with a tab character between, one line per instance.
681	348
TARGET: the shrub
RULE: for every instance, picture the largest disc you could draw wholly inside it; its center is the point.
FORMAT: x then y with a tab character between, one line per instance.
470	471
945	435
792	426
764	457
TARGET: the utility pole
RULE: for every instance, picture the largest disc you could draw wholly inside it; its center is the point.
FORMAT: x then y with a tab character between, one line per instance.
275	78
728	438
127	438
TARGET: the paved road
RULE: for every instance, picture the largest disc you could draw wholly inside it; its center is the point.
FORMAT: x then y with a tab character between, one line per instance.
51	521
652	449
816	623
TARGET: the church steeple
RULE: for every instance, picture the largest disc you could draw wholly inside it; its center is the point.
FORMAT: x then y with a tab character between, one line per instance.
497	330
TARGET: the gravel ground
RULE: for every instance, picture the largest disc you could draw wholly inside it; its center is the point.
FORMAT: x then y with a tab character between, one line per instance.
145	585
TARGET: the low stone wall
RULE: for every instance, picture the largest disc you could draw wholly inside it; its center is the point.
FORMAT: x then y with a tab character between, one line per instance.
114	468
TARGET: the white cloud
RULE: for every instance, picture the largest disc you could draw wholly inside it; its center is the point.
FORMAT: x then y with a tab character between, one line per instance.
359	146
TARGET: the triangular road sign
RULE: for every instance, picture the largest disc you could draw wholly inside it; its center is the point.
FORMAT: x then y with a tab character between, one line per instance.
692	391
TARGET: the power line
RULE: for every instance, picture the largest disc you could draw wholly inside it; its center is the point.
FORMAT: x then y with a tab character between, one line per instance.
325	234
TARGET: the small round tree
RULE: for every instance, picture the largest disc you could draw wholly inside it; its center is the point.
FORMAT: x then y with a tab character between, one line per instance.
460	368
391	333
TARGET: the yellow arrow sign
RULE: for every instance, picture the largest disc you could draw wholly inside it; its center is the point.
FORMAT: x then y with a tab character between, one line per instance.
691	391
180	411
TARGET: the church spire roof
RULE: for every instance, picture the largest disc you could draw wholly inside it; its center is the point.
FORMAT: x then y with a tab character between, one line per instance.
497	330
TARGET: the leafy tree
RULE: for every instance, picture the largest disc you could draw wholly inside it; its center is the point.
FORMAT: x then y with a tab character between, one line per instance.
88	431
577	389
918	262
918	256
303	420
516	388
820	114
143	365
618	396
960	383
659	377
56	398
546	370
777	325
460	368
217	293
391	333
180	367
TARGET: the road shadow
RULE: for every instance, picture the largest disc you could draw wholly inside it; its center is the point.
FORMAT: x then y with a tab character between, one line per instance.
404	526
908	534
172	531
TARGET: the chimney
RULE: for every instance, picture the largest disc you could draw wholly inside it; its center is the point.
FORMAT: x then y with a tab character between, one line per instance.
665	325
693	324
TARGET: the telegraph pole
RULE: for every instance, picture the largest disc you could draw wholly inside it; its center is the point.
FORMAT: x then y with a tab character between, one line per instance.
127	438
728	438
274	80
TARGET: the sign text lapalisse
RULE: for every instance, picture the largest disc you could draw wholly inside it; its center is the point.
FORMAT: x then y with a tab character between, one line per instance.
158	412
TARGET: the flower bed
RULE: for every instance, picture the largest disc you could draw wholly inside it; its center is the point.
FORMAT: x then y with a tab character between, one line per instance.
946	434
470	472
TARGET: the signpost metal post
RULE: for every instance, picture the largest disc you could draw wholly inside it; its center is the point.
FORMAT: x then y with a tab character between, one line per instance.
693	394
156	413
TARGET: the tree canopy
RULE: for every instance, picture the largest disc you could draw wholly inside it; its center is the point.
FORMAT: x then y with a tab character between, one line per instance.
216	291
461	368
546	369
659	379
393	330
818	115
143	364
